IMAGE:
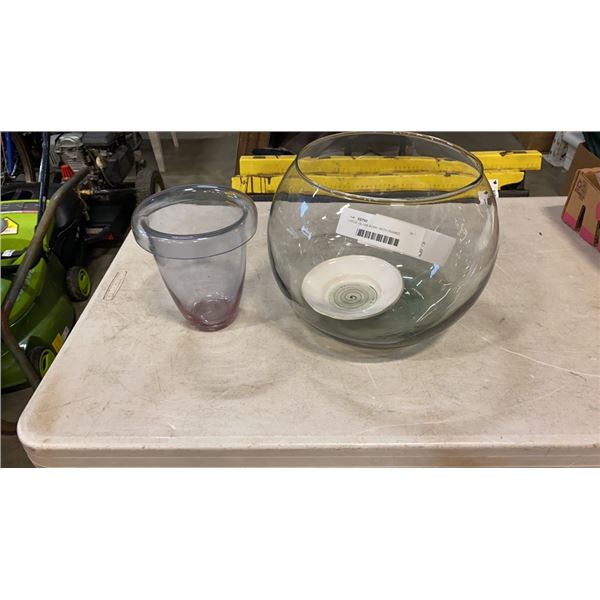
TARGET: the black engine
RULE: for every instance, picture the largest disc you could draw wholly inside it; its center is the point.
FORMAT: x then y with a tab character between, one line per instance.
110	155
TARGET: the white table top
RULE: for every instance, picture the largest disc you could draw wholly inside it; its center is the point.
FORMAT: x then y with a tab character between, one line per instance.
515	382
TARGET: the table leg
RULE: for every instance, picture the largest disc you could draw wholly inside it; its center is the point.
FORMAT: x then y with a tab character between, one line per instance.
157	149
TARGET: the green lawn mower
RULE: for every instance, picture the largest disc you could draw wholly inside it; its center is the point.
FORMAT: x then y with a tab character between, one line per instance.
44	242
42	273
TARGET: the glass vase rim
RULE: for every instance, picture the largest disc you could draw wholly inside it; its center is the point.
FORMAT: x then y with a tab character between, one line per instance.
353	197
240	199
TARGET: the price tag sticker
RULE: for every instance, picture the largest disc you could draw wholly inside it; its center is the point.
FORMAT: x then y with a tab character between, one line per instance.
395	235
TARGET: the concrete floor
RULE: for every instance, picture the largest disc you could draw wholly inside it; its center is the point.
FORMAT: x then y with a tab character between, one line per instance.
211	159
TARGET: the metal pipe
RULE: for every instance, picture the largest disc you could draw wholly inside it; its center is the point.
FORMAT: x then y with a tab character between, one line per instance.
120	190
10	153
30	258
44	175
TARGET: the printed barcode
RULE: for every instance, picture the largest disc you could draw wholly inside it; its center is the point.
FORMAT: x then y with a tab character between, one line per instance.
378	237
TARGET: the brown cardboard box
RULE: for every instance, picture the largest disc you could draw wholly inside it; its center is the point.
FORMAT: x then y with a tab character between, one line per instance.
582	209
583	159
536	140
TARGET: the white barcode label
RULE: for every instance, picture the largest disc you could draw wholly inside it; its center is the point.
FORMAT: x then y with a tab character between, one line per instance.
395	235
378	237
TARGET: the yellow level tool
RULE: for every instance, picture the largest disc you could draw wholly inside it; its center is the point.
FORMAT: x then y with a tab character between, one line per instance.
257	184
520	160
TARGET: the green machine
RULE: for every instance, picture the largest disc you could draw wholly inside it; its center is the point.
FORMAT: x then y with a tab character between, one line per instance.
41	248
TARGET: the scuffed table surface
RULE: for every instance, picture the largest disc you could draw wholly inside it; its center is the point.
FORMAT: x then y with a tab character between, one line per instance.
515	382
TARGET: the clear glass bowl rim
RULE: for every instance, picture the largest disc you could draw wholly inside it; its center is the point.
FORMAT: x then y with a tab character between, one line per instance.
446	196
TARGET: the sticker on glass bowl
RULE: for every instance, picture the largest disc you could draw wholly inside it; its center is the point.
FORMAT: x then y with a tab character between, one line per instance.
352	287
395	235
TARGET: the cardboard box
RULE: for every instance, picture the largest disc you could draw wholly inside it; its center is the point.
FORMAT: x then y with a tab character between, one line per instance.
583	159
536	140
582	209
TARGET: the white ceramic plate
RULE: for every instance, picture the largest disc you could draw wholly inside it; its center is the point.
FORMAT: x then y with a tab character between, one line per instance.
352	287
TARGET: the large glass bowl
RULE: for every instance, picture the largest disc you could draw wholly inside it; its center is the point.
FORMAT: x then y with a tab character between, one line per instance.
383	239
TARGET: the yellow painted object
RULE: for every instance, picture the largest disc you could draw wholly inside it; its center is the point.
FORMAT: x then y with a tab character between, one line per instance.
262	174
357	183
523	160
